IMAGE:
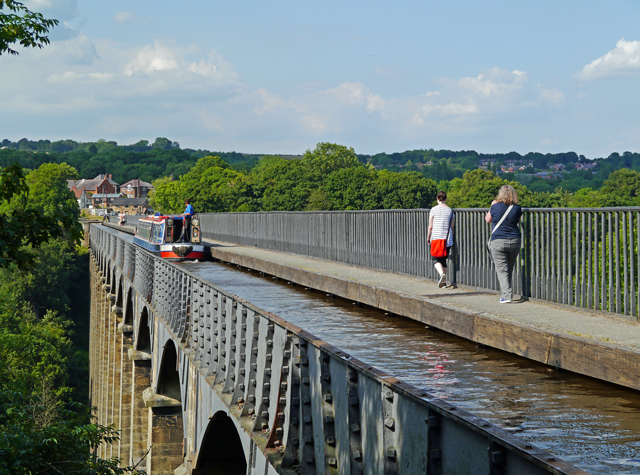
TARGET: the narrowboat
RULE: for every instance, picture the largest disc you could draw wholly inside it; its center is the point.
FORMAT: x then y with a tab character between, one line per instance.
163	236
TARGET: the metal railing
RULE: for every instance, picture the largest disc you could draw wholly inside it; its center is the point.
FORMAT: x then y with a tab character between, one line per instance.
319	409
584	257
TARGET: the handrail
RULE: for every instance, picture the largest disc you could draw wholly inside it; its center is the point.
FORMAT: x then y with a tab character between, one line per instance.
583	257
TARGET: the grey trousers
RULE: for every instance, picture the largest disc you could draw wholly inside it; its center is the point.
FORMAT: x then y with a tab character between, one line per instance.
504	253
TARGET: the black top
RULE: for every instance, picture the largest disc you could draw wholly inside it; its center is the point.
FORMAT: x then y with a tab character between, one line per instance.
509	227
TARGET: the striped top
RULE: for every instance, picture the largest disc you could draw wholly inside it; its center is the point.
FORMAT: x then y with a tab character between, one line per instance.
441	216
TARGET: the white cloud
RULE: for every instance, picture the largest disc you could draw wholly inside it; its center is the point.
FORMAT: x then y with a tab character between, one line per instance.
623	59
150	59
124	17
62	10
552	97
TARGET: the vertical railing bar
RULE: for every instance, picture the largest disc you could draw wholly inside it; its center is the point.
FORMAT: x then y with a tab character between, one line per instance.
594	262
536	250
565	258
583	260
636	243
576	270
616	244
554	263
625	263
610	296
545	276
589	261
603	248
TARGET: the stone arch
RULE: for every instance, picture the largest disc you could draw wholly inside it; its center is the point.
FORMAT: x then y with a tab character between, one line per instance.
143	340
168	376
119	293
128	310
221	451
108	282
113	280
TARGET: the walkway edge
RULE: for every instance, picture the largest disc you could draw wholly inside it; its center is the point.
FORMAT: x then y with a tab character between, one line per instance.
599	360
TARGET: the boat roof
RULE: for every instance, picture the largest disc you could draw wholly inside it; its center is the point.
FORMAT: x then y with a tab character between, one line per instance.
156	219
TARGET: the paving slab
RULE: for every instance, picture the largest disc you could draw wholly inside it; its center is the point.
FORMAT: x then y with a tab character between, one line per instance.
600	345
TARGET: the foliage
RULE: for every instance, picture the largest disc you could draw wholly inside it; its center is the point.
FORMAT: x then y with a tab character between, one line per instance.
478	188
42	429
329	157
21	25
31	219
66	445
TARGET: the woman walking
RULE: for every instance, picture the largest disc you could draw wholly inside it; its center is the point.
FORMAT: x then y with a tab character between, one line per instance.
505	239
441	221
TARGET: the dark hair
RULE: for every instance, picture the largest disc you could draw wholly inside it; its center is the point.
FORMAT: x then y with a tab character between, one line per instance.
442	196
187	201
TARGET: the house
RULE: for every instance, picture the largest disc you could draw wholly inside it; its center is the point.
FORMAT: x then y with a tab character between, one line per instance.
104	199
136	188
130	205
100	185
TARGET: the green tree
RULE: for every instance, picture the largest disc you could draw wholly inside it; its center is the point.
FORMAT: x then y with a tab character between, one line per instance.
20	25
479	188
31	222
622	188
405	190
328	157
168	195
352	189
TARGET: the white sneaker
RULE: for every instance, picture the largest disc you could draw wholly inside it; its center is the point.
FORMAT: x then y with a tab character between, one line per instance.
443	281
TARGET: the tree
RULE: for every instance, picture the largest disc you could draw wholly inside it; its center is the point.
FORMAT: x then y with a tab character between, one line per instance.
25	222
405	190
168	195
328	157
622	188
480	187
22	26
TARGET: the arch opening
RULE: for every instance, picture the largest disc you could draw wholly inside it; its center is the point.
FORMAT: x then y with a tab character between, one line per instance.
221	452
143	342
169	378
128	312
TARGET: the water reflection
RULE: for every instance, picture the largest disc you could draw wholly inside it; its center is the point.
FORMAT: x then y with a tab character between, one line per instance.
594	425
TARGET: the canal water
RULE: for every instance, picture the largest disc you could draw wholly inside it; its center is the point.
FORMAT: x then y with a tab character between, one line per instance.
594	425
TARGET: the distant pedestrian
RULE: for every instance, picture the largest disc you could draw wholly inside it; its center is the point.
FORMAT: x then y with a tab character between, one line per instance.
440	236
504	244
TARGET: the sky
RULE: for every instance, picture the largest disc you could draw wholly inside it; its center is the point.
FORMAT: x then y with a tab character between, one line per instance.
279	77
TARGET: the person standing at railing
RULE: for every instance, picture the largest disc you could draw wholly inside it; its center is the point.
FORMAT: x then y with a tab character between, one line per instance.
504	244
440	236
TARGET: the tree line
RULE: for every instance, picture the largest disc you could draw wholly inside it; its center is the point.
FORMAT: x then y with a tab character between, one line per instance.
331	177
45	422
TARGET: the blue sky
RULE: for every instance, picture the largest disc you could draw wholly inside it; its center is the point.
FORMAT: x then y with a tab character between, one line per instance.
378	76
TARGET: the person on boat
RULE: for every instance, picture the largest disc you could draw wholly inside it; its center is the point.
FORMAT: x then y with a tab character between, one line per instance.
187	215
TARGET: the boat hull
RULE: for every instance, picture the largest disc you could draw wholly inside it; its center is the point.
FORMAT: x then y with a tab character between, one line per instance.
175	251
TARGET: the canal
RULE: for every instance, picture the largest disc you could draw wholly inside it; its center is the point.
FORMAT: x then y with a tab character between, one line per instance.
591	424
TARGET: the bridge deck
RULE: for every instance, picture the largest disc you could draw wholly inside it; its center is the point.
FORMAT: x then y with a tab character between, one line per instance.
598	345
